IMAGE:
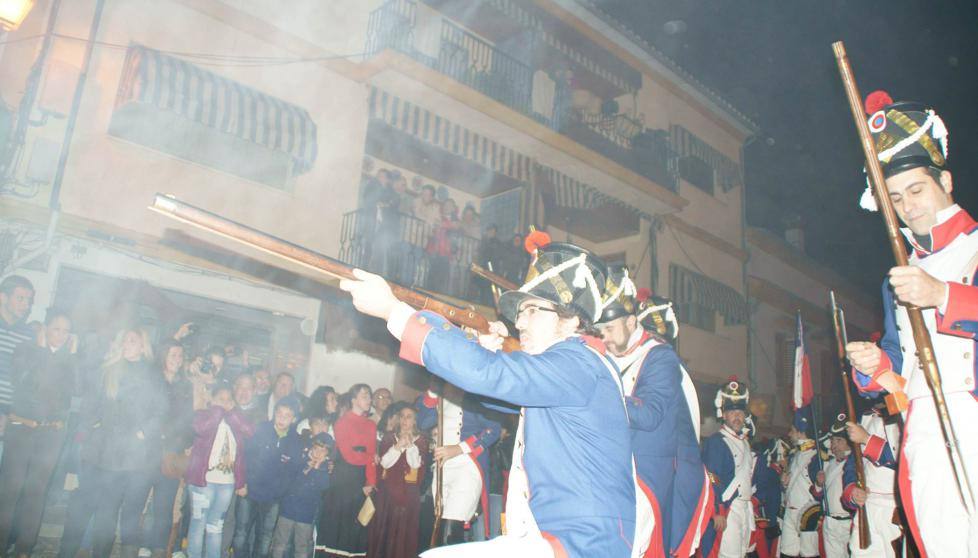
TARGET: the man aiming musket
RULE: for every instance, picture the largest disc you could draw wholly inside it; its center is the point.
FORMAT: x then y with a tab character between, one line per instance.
910	142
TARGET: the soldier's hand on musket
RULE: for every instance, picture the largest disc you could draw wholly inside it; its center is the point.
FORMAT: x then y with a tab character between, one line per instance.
820	478
915	286
494	339
864	356
444	453
371	294
857	433
719	523
859	496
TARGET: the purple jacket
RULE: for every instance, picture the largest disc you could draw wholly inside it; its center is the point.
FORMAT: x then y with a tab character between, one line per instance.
205	427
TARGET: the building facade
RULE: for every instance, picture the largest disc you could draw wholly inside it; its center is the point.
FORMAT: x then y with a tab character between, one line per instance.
301	121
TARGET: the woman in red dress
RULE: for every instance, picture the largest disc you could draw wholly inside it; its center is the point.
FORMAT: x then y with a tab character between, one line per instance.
394	529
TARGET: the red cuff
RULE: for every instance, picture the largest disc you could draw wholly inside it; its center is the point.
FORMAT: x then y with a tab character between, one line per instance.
412	340
874	448
428	401
962	306
474	446
873	386
847	496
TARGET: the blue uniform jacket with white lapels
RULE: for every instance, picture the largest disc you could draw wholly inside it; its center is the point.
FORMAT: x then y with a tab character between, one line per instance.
719	461
577	453
667	453
478	432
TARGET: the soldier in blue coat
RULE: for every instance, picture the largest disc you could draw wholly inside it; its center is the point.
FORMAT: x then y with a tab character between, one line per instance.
664	436
728	458
466	440
572	485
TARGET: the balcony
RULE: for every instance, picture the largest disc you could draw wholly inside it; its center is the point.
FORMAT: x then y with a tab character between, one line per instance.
468	59
411	252
460	55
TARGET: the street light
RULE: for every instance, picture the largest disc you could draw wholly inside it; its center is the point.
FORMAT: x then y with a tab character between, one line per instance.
13	12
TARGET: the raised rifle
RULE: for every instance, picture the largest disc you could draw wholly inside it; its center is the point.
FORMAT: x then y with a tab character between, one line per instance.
322	265
921	336
841	338
494	279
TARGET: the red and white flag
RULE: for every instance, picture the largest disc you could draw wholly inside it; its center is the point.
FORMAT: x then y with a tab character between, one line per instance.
803	392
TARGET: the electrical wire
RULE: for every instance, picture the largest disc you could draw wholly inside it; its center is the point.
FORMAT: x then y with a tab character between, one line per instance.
204	58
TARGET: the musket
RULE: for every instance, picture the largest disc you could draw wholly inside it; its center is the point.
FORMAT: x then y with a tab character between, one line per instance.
322	265
494	278
841	339
921	336
496	293
439	472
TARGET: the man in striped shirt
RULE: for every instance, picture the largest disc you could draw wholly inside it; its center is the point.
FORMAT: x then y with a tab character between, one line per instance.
16	299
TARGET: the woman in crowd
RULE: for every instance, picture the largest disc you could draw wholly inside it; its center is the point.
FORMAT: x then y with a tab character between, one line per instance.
126	441
389	421
394	529
43	382
216	470
441	246
177	437
354	478
322	402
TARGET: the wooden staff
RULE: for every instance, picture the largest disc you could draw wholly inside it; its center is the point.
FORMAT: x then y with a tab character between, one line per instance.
439	471
841	339
921	336
322	265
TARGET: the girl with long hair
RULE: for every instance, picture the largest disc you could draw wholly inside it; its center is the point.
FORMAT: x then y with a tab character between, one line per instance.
394	529
126	442
354	478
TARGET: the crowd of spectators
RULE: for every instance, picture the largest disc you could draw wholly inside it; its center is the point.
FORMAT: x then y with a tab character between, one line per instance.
163	451
417	237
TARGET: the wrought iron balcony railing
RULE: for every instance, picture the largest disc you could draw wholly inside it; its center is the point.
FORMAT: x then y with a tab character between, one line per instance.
484	67
410	251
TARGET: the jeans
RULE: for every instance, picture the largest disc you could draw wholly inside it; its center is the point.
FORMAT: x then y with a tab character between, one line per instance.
208	504
78	517
260	515
164	494
121	498
300	534
495	525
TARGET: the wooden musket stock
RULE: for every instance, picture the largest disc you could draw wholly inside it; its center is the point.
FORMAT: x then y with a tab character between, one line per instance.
921	336
839	326
322	265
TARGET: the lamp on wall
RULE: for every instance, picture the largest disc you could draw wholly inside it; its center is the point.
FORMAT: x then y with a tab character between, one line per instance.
13	12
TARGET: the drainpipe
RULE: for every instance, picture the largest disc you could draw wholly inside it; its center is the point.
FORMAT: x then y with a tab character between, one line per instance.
751	379
55	203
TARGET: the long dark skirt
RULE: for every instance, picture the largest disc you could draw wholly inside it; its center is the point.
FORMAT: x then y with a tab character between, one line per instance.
394	528
339	533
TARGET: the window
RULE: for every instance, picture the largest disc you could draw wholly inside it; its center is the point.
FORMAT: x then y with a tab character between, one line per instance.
698	299
694	170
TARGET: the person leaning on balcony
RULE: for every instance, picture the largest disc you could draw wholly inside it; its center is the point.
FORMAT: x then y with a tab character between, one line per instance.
427	207
44	382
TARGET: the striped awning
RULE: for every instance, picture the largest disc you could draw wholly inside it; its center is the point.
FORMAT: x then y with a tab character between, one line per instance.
688	286
574	194
177	86
441	132
685	143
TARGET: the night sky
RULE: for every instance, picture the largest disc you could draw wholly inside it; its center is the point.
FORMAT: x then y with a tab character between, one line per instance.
773	60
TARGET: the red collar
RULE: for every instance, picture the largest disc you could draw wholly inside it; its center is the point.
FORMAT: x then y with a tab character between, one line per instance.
595	343
641	341
942	234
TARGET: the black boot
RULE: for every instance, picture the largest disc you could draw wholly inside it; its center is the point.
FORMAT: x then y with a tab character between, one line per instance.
453	532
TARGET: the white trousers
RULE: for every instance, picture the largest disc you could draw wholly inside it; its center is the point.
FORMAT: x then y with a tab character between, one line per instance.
794	542
506	546
882	531
736	535
463	488
946	528
835	535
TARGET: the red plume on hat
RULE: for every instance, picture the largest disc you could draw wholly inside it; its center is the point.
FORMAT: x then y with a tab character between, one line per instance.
643	294
877	101
536	240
